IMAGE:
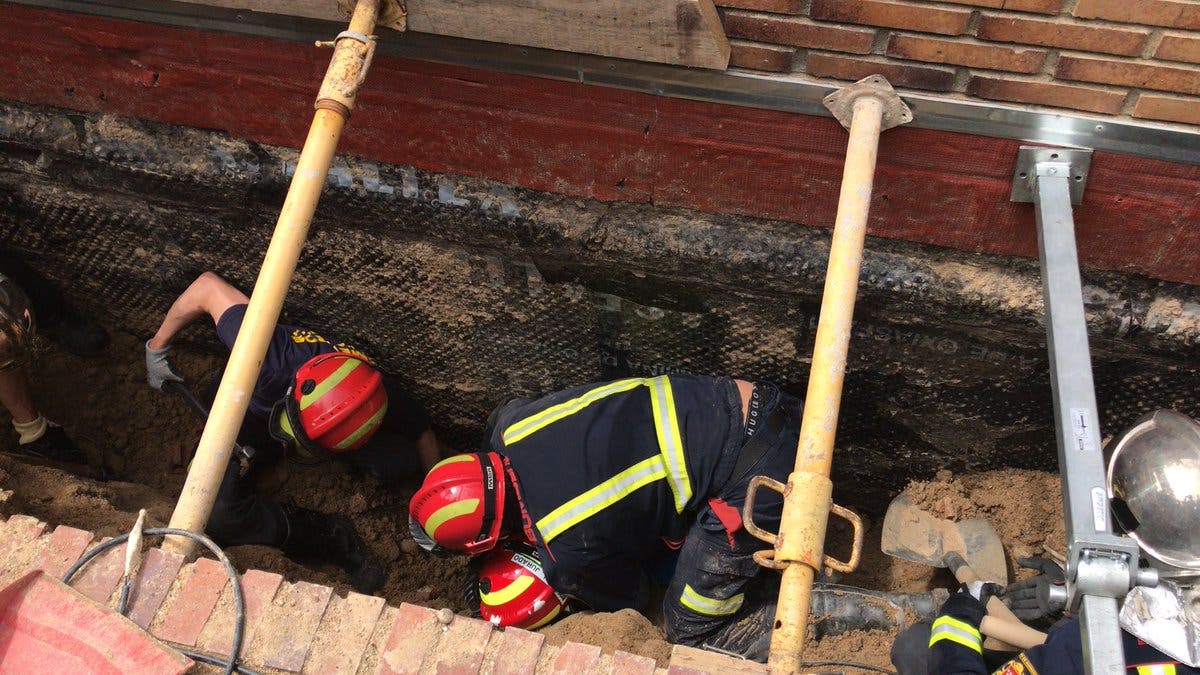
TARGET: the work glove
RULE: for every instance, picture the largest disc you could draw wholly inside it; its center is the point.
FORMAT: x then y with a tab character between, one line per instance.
158	367
1030	599
969	604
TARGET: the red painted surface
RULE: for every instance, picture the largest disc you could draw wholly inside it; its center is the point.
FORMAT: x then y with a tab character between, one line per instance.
47	627
1139	216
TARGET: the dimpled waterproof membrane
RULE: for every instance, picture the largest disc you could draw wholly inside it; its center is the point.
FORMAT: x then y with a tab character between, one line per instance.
475	291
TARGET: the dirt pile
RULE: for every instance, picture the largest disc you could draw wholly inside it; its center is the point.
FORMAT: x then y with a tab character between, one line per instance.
626	630
145	436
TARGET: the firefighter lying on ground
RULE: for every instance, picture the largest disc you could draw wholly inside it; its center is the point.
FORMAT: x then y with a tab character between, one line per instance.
316	400
26	299
1154	491
606	481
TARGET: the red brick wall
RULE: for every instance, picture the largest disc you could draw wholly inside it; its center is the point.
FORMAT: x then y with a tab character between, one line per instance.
1135	58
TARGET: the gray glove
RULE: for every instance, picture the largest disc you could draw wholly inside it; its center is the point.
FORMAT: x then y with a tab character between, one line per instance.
158	367
1032	600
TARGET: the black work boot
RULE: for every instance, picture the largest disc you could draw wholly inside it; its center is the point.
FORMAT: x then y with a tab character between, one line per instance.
322	537
55	445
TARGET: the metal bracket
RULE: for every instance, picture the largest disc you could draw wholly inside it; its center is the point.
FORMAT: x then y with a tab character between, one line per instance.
895	111
1033	161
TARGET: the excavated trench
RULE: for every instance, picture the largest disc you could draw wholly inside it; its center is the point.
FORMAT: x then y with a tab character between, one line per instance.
475	291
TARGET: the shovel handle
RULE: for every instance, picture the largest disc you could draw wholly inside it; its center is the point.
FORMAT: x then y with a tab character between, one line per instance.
1000	623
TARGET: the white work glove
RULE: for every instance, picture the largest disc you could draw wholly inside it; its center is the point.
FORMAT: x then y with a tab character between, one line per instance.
158	367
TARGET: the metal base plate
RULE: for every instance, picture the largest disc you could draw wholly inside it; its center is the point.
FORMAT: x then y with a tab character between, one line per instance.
895	112
1079	161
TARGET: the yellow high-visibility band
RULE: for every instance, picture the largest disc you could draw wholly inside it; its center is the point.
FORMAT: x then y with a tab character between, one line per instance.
507	594
447	512
329	383
710	606
954	630
555	413
603	495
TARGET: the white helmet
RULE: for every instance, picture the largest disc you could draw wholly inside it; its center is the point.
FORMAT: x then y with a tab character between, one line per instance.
1154	485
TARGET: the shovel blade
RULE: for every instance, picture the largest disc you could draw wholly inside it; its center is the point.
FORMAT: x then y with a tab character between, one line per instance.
912	533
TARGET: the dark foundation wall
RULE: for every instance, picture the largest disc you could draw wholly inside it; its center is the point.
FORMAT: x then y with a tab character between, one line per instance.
475	291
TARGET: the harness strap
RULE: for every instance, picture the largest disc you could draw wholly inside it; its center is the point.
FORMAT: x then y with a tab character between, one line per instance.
758	445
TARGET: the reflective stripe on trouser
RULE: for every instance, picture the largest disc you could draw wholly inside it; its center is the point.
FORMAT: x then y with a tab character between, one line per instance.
1156	669
670	462
954	630
710	606
714	598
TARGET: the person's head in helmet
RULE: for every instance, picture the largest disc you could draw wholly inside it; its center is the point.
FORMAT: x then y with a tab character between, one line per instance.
460	505
512	589
1154	488
334	404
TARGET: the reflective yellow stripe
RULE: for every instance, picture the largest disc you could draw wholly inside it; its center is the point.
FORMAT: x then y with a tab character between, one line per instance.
364	429
602	496
666	425
555	413
1156	669
453	460
546	619
709	606
447	512
508	593
960	632
670	463
335	378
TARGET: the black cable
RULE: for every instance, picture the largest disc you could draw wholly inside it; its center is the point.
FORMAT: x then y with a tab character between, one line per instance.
239	605
848	664
212	660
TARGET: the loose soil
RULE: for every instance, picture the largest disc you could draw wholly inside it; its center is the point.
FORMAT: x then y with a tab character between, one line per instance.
144	437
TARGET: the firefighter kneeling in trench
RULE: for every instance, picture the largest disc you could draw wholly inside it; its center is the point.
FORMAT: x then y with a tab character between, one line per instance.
314	400
616	486
1154	498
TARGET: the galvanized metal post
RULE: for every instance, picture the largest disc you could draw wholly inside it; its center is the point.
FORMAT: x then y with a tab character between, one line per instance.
866	108
1101	566
347	69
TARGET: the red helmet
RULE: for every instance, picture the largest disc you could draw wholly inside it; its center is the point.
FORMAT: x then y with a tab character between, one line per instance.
334	405
513	590
460	505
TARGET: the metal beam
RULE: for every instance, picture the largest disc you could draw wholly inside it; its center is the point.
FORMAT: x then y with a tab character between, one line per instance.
1101	566
744	88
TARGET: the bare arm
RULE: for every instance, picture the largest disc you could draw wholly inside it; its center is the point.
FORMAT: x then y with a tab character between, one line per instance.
209	294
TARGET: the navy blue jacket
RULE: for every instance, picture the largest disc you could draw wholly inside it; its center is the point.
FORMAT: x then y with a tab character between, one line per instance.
604	446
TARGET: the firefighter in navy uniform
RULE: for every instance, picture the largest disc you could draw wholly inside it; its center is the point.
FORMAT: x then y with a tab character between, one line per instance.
603	481
315	400
1154	488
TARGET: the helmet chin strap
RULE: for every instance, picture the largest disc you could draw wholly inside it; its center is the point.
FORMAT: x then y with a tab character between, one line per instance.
490	480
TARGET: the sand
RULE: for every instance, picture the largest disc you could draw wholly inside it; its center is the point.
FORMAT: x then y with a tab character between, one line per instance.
144	437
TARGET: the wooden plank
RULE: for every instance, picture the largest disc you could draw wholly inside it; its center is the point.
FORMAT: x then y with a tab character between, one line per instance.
686	660
685	32
311	9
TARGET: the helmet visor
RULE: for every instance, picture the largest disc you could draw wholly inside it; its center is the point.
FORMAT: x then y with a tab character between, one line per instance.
423	540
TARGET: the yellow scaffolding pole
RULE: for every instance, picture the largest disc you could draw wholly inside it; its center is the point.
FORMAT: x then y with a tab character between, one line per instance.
866	108
352	52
